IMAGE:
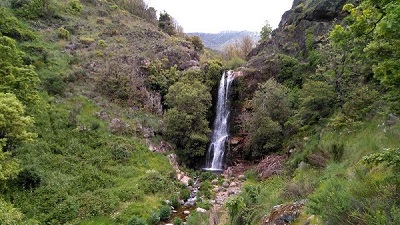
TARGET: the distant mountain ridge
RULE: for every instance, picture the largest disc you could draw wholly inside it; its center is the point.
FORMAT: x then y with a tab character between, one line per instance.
218	41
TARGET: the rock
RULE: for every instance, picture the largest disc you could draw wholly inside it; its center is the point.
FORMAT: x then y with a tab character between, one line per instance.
189	64
173	160
186	212
201	210
174	211
117	126
242	177
392	120
167	202
271	165
181	202
185	180
216	190
214	182
284	213
225	184
233	184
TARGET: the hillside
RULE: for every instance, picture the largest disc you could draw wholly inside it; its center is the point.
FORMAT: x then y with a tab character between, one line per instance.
220	40
81	95
106	113
318	107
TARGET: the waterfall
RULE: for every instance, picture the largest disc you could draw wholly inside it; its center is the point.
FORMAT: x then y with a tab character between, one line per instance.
216	149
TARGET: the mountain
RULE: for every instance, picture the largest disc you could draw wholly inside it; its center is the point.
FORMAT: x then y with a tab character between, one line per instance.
218	41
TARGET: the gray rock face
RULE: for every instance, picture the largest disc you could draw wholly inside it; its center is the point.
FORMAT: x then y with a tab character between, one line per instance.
316	16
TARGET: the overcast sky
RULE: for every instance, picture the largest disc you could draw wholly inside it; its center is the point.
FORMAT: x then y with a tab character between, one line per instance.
213	16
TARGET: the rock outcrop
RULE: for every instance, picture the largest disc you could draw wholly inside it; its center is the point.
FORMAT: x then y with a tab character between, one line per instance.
305	16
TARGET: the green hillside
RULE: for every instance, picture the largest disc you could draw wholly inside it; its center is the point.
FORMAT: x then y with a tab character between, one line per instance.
94	94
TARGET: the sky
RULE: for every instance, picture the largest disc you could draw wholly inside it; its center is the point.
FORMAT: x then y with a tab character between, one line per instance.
213	16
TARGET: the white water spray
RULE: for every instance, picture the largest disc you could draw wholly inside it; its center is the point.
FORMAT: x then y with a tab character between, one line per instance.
216	149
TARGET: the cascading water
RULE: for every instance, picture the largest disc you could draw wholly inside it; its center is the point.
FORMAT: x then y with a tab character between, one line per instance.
216	149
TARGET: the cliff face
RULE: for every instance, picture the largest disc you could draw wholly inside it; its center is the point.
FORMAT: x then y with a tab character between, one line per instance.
314	17
301	29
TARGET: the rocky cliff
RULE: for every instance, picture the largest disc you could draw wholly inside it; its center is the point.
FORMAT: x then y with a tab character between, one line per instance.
305	17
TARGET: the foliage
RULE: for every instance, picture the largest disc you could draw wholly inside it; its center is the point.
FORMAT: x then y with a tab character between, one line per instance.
13	122
9	166
165	212
235	205
177	221
317	100
154	218
34	9
153	182
15	77
12	27
75	7
166	24
198	44
63	33
271	109
197	218
266	31
134	220
12	216
185	121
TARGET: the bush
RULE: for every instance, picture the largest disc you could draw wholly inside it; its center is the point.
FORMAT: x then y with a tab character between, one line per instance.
29	179
121	152
134	220
153	182
165	212
154	218
178	221
75	7
63	33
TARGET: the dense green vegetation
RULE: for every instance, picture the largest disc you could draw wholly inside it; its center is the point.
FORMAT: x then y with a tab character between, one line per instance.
336	105
72	155
79	105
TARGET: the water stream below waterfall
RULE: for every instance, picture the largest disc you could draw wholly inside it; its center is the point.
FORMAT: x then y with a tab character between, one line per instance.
216	150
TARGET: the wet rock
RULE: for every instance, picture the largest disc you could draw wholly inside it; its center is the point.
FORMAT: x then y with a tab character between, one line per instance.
186	212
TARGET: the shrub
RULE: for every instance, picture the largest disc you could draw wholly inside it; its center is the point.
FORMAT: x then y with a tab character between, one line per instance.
29	179
134	220
63	33
165	212
154	218
207	175
86	40
197	218
121	152
75	7
178	221
185	193
153	182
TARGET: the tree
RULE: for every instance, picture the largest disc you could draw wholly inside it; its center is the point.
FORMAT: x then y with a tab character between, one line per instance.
14	77
166	23
266	31
271	109
246	45
185	121
13	122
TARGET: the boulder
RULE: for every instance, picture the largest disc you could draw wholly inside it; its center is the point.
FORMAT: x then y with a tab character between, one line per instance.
201	210
242	177
225	184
